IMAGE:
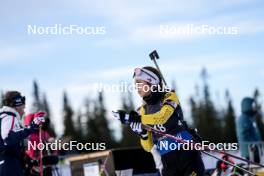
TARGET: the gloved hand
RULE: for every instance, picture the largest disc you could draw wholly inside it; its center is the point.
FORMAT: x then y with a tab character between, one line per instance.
136	127
38	120
126	118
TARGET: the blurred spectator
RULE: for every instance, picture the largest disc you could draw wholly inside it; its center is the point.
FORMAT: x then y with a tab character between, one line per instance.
247	131
33	156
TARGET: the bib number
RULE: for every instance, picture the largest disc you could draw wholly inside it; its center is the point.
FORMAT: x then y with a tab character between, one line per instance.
160	128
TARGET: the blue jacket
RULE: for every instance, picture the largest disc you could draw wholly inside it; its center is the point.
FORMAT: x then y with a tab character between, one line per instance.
246	127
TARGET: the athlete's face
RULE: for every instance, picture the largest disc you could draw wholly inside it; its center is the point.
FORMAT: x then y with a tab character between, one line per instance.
143	88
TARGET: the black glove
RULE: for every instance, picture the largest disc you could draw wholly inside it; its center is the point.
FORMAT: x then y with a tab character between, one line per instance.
126	118
136	127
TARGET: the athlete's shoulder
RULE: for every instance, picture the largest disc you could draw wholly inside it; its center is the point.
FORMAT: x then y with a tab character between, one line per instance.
170	96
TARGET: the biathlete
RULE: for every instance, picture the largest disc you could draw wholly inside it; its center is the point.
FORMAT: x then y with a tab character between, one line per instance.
162	110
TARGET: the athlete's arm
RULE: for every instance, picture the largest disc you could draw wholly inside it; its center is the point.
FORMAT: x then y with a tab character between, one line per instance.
146	139
147	143
170	102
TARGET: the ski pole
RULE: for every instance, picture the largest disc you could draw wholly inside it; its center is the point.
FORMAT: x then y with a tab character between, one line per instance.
229	163
153	56
242	159
40	153
149	128
182	141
